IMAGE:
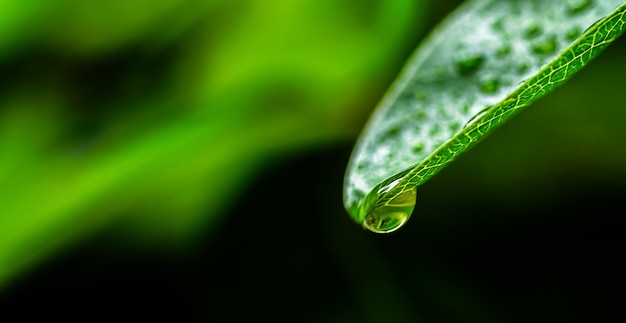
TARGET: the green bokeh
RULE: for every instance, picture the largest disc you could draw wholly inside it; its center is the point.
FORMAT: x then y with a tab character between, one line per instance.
161	109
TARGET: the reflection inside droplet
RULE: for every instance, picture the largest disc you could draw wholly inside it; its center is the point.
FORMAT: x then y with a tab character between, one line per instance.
393	214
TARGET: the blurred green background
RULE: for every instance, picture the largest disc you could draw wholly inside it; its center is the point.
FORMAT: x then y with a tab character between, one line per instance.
184	160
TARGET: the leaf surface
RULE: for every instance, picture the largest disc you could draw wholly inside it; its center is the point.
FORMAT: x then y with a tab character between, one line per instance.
483	64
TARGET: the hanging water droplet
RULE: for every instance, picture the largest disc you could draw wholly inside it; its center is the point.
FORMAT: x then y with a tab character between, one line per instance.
385	209
490	86
470	64
577	6
393	214
545	47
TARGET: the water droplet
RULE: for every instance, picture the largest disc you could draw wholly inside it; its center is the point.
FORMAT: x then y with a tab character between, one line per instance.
392	214
577	6
532	31
421	115
392	131
435	130
498	25
407	97
418	147
545	47
503	51
490	86
412	97
389	134
477	115
523	68
470	64
442	111
440	74
387	206
454	126
572	34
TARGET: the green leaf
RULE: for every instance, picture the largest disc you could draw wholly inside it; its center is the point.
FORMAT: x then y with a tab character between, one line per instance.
482	65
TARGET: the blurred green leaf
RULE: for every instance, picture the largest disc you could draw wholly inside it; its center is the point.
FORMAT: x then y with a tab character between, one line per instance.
154	114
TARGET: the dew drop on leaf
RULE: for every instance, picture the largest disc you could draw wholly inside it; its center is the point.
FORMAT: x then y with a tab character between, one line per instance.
435	130
572	34
468	65
545	47
532	31
454	126
490	86
523	68
443	112
391	133
418	147
503	51
577	6
421	96
421	115
393	214
498	25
